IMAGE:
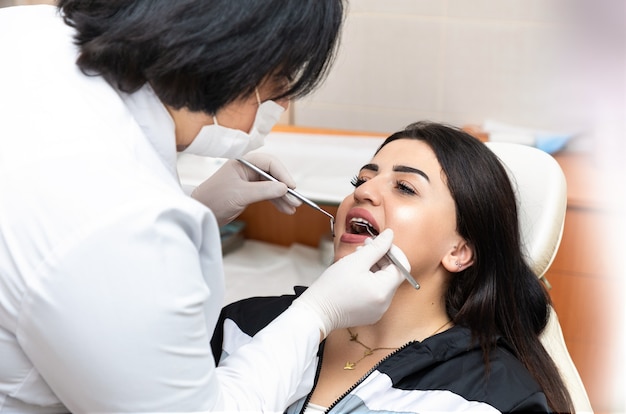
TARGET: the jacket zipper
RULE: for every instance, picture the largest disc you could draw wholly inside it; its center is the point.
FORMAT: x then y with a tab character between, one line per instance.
317	375
349	390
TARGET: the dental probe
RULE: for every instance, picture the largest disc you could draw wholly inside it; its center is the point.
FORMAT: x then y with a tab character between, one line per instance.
393	260
289	190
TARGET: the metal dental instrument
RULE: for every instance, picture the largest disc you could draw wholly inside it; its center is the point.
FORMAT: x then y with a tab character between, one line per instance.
393	259
290	191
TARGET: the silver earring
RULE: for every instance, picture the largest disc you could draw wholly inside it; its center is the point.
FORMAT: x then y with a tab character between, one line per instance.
458	265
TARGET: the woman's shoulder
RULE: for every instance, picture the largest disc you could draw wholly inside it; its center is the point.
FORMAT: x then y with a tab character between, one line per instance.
253	314
453	362
241	320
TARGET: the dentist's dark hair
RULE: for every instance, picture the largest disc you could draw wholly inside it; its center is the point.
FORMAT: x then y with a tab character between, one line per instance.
499	295
204	54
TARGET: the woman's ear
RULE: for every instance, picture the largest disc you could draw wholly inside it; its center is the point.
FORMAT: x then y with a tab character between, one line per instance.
460	257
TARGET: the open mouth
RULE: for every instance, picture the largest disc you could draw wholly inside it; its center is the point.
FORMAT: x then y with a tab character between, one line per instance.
358	225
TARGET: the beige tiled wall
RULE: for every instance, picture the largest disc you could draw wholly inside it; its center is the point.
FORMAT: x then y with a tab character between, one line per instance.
465	61
456	61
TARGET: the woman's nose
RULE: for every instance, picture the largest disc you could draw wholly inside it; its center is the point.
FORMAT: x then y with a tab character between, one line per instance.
368	192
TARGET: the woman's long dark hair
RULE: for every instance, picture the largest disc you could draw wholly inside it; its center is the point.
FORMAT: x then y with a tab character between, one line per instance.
498	295
204	54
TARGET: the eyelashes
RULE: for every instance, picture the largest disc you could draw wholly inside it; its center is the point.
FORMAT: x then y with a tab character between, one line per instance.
405	189
401	186
356	181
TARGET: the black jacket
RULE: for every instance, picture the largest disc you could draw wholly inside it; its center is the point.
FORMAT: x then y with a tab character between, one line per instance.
444	373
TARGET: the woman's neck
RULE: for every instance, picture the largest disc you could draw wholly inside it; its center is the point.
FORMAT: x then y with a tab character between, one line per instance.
412	315
350	353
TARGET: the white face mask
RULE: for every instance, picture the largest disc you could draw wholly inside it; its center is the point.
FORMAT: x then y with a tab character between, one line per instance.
222	142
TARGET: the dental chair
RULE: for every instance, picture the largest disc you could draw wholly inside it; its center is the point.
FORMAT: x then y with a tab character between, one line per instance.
541	193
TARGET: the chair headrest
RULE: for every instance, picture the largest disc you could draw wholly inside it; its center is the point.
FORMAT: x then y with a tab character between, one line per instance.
541	192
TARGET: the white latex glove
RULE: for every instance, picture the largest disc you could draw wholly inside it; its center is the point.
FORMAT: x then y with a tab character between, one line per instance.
351	292
231	188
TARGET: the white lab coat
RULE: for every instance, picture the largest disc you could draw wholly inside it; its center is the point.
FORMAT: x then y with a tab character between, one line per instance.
111	278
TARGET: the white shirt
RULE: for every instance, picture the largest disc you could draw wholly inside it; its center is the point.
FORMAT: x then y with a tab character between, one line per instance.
111	278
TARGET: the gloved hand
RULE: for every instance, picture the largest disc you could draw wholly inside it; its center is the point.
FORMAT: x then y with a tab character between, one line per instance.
350	292
231	188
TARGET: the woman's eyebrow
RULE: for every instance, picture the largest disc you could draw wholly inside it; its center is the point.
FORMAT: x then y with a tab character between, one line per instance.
406	169
370	167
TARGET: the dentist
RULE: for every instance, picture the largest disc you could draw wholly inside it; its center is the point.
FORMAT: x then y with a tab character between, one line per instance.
111	277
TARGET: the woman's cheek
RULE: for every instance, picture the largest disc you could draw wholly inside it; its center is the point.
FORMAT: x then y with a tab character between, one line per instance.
403	221
407	226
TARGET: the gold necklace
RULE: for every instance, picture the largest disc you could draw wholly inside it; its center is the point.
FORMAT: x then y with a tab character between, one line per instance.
369	350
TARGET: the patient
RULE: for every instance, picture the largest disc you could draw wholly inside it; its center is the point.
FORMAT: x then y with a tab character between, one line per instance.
467	340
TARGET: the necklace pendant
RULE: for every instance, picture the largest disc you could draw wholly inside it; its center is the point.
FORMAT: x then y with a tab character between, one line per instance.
349	366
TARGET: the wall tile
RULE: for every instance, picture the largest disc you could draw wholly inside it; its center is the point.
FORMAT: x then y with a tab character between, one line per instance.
504	70
388	62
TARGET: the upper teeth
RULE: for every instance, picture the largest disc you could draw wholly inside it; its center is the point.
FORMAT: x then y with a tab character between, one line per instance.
361	222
